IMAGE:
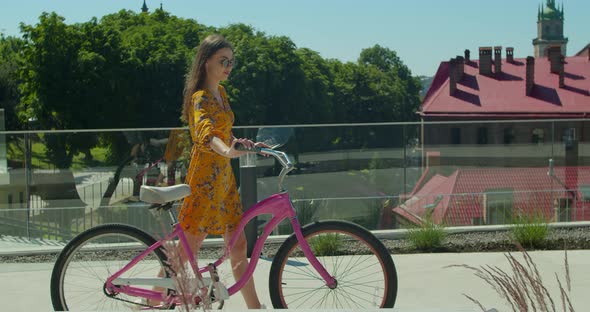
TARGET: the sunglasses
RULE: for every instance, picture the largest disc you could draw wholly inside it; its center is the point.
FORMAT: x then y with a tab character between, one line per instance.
227	63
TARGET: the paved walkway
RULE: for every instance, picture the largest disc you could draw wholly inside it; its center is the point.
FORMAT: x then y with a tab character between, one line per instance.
424	283
10	245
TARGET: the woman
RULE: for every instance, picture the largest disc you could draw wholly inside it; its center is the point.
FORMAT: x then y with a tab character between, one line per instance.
214	206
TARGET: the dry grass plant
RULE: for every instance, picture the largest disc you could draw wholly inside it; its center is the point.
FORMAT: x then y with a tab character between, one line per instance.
522	286
187	285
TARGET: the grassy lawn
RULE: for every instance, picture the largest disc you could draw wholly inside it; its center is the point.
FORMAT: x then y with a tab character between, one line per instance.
40	160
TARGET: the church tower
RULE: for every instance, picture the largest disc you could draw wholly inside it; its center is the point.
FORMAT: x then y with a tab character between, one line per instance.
549	29
144	8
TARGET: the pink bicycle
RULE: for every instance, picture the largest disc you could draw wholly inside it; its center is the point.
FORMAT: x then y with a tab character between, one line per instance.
326	264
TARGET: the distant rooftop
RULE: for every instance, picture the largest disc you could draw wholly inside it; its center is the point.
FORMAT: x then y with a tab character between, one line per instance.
503	94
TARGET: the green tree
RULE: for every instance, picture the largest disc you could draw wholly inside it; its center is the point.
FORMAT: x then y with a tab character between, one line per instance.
127	70
9	63
402	86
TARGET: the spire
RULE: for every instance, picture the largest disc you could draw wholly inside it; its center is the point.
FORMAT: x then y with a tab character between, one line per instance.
161	6
562	14
144	8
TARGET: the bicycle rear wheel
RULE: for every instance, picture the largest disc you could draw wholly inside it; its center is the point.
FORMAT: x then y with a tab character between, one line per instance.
79	274
361	264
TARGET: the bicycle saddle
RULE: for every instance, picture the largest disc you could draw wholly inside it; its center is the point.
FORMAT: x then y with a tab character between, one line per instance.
162	195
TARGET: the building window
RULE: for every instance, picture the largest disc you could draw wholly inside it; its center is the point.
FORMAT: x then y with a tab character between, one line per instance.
456	135
508	135
563	210
498	206
482	135
569	136
538	136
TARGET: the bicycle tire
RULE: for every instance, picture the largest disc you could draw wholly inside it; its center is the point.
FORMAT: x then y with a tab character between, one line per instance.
281	283
81	246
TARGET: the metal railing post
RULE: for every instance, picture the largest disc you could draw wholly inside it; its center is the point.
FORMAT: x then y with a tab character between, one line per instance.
28	180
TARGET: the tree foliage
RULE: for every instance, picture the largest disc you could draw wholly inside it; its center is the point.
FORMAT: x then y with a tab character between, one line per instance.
9	81
127	70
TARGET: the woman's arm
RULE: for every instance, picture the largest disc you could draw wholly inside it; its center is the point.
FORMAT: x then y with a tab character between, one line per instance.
222	149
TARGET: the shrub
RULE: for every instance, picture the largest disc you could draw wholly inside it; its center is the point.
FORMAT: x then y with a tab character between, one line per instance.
428	236
326	245
530	230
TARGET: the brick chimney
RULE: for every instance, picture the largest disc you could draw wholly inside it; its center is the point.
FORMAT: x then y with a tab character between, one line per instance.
530	75
562	71
452	76
510	55
497	60
555	59
467	56
485	60
460	67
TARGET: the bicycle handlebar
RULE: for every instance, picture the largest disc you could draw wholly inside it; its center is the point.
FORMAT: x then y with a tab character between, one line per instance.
280	156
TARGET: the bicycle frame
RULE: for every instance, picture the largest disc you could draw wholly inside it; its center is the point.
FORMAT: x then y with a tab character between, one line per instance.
278	205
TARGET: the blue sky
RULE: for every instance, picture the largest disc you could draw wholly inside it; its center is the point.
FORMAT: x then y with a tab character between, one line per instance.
422	32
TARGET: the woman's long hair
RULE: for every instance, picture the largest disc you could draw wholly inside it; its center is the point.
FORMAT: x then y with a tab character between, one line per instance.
198	73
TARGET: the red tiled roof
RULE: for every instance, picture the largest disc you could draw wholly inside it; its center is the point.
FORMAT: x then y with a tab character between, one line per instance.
504	95
427	195
458	198
584	51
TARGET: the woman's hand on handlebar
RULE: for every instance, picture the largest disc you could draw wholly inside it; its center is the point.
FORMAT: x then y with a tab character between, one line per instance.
248	144
239	147
245	146
261	145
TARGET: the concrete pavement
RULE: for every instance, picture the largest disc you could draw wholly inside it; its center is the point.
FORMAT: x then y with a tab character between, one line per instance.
424	283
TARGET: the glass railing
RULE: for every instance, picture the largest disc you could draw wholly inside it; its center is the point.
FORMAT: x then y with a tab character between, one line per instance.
382	176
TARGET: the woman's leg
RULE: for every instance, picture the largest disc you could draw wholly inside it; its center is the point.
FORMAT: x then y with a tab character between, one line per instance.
239	263
195	242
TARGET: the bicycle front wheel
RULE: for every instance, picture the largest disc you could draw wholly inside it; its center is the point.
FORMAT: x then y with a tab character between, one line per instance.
364	270
80	272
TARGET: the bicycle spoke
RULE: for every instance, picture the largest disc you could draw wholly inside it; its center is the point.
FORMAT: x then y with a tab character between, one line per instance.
321	299
353	295
362	291
350	267
307	291
360	265
363	268
313	292
347	300
104	251
309	272
361	284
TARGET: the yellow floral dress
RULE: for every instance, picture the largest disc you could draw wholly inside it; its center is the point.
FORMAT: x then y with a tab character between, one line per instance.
214	205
